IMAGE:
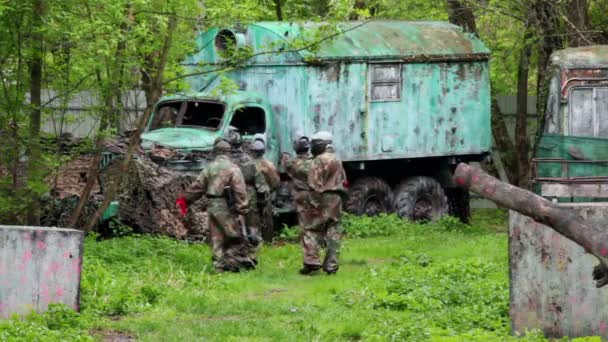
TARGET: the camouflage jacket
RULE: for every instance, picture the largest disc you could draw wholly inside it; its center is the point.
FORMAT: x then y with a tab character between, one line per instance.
220	173
298	170
253	177
269	171
326	174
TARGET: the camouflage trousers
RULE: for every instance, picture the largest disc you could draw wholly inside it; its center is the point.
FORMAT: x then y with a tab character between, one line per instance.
254	222
323	231
229	247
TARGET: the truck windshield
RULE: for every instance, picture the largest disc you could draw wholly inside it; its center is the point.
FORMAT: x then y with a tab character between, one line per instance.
589	112
198	114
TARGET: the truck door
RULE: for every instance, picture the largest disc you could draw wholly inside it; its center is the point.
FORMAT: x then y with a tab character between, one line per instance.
251	120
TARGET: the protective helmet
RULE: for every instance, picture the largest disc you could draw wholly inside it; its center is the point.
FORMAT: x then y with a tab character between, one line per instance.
221	144
301	144
234	137
257	146
320	142
260	136
322	136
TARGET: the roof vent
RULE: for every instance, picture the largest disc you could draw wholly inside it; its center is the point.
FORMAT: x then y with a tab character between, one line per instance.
227	42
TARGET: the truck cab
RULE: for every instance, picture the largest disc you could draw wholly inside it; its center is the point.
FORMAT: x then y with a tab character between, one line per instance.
571	158
189	123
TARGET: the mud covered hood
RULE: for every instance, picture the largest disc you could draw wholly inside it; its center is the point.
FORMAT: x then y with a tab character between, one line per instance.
179	138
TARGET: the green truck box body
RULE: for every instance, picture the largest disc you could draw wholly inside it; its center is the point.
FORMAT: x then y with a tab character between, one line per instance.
386	89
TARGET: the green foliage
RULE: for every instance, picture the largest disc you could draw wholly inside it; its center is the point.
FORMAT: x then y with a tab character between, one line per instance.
291	234
59	323
440	282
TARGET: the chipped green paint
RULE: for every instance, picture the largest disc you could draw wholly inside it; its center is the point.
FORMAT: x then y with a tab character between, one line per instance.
443	91
384	40
594	56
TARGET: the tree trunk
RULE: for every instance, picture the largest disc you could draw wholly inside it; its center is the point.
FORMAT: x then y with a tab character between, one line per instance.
503	142
577	24
462	15
34	172
549	25
135	138
278	7
522	141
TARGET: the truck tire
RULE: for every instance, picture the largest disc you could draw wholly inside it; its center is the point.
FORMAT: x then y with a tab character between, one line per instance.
420	198
460	207
369	196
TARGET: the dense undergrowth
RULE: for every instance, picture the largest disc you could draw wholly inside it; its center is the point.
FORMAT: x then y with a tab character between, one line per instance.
398	281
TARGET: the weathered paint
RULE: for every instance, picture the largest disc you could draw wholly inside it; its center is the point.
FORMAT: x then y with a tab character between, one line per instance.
574	144
594	56
551	286
577	150
443	105
39	266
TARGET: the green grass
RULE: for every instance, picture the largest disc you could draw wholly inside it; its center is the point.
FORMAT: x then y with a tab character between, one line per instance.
397	281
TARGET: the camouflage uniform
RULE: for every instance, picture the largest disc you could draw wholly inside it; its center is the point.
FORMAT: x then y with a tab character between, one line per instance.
256	188
326	181
298	169
271	176
227	239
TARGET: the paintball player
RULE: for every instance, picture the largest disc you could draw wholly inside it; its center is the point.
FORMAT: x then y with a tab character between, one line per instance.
298	169
326	180
220	181
271	175
257	190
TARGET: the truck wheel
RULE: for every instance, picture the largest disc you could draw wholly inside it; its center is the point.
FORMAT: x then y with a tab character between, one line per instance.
420	198
459	204
369	196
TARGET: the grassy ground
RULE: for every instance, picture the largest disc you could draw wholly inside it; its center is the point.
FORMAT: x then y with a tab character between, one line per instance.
398	281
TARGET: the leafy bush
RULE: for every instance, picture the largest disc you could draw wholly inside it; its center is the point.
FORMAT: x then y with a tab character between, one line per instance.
291	234
59	323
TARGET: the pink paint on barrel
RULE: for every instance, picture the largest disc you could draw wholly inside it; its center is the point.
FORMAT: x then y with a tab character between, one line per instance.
40	244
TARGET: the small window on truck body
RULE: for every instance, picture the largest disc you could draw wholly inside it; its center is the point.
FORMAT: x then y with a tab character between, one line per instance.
249	120
386	82
588	107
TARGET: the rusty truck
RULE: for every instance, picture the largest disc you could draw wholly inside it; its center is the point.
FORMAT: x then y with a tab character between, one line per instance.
405	101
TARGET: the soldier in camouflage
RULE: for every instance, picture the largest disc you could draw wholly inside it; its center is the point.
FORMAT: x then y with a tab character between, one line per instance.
326	180
298	169
220	176
271	175
257	188
265	166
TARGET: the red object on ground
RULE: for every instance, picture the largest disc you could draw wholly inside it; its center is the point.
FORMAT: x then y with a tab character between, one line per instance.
183	206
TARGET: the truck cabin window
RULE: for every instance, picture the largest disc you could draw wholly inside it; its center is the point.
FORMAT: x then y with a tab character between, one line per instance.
589	112
249	120
198	114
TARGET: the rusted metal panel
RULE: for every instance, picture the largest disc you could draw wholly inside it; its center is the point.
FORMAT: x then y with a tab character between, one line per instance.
39	266
441	109
398	40
594	56
551	288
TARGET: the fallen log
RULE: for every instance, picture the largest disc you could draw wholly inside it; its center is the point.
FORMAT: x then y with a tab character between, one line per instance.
591	236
